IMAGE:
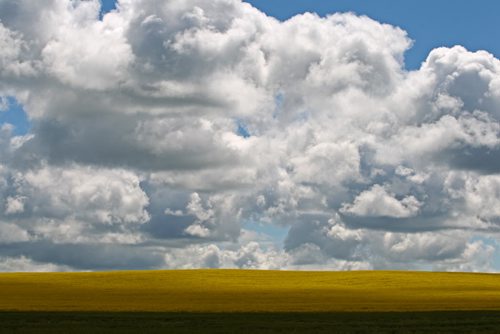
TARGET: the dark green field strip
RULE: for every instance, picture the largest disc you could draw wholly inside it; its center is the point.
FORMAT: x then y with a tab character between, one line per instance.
404	322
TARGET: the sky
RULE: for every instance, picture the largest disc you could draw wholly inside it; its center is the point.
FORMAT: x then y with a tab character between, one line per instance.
429	24
329	135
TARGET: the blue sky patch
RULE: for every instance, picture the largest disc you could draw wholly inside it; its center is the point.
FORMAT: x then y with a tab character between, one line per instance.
242	129
107	6
15	115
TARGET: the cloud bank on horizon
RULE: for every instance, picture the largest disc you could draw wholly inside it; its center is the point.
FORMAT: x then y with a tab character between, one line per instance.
177	134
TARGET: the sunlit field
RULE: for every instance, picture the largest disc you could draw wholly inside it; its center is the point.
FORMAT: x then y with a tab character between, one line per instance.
249	291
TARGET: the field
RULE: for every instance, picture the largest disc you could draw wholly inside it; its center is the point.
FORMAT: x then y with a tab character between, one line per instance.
178	301
188	323
249	291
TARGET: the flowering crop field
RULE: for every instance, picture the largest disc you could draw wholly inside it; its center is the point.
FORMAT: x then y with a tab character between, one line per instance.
223	291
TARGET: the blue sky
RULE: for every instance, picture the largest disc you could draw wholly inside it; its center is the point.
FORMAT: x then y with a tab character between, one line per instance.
15	115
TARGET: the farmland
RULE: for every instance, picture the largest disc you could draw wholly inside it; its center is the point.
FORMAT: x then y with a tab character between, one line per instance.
178	300
249	291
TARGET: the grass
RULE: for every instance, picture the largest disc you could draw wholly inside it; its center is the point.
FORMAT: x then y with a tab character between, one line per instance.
187	323
229	291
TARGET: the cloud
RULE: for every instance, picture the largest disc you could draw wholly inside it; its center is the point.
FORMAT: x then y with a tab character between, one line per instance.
23	264
12	233
248	256
98	197
89	53
13	61
14	205
377	202
136	157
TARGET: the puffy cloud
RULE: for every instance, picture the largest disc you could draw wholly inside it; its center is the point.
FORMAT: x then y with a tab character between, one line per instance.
377	202
13	61
10	233
164	131
248	256
321	243
14	205
90	54
75	204
23	264
476	198
94	196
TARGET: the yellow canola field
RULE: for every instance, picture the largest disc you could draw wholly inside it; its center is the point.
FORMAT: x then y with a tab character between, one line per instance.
249	291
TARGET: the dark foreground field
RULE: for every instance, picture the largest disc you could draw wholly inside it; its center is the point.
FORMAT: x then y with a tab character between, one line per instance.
373	322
